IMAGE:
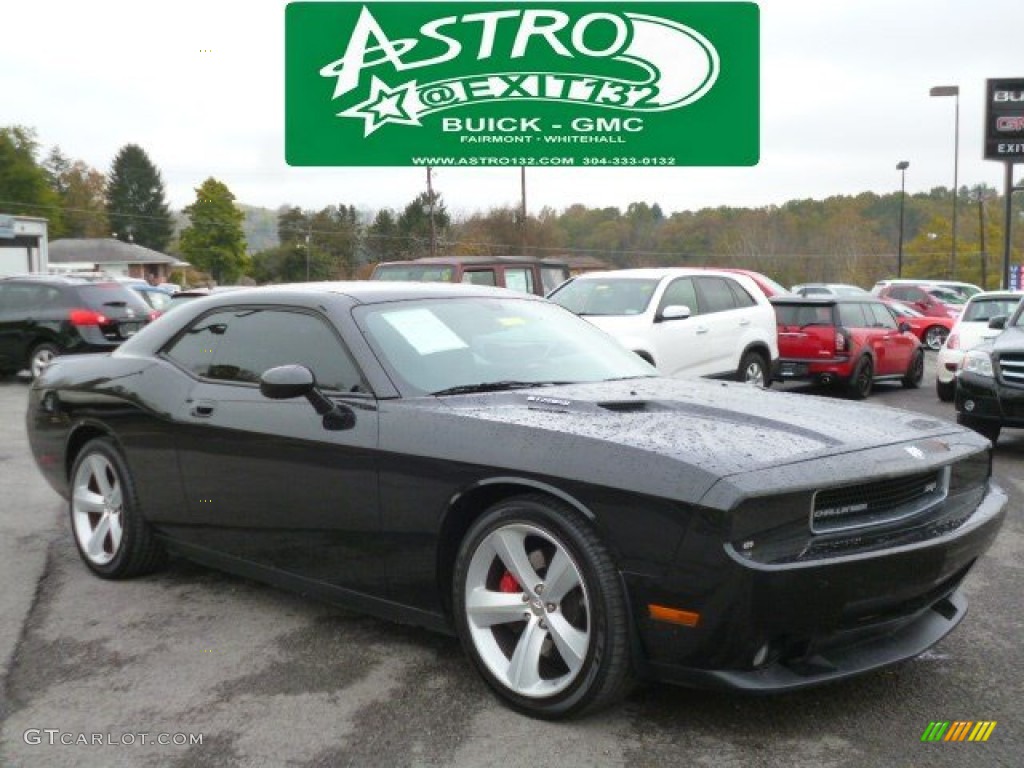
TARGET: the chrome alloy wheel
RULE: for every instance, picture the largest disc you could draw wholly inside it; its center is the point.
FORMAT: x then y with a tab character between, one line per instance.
41	358
527	610
96	507
753	374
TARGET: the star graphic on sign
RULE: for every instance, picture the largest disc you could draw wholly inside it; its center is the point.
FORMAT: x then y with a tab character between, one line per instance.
385	105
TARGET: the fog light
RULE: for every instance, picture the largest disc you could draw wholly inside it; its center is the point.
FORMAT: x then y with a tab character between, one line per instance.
761	655
968	405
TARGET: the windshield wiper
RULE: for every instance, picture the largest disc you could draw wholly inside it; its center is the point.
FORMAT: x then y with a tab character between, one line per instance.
495	386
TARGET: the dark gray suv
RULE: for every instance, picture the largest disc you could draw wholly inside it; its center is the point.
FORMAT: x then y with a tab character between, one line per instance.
42	316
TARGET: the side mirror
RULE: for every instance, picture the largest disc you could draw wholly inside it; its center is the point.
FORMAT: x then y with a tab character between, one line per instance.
998	323
674	312
286	382
904	327
290	381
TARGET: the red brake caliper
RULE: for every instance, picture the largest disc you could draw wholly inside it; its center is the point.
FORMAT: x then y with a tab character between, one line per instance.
508	583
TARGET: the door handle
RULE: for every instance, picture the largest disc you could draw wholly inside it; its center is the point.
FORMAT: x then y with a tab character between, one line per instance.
203	409
702	329
745	321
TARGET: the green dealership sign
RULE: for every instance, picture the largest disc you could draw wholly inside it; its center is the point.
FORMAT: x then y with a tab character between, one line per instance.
630	84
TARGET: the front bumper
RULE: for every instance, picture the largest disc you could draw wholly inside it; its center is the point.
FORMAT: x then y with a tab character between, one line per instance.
987	399
771	628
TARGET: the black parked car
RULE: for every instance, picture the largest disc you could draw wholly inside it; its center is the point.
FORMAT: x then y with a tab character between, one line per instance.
42	316
990	382
487	463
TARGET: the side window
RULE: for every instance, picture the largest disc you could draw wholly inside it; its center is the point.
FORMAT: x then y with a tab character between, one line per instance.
681	292
882	316
901	294
552	277
519	279
740	296
852	316
479	277
715	295
238	345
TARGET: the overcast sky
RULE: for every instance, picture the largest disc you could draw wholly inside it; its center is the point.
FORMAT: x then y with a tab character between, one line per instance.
844	97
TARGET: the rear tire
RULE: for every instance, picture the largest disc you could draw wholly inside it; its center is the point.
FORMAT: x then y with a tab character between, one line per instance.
40	357
754	370
983	427
935	336
540	609
945	390
862	381
915	373
112	537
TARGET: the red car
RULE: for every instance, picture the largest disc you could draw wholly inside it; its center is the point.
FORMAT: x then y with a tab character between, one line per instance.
851	342
768	286
932	331
927	299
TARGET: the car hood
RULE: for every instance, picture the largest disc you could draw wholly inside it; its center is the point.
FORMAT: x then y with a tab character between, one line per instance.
1010	340
660	434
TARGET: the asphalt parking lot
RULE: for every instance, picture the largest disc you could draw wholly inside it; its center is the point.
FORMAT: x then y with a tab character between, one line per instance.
267	678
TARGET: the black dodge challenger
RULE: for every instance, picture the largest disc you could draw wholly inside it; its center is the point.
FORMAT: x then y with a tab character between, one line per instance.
483	462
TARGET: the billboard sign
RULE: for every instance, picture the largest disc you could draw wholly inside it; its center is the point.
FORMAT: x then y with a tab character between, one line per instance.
1004	120
627	84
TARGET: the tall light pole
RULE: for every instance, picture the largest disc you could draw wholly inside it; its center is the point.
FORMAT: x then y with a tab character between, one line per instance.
901	166
954	91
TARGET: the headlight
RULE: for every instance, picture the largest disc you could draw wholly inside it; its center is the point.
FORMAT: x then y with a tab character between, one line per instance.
979	363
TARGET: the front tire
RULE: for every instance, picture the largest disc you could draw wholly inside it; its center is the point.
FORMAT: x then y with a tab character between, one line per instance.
915	373
540	609
112	537
862	381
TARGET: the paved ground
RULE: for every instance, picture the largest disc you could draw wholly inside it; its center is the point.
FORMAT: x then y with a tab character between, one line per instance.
270	678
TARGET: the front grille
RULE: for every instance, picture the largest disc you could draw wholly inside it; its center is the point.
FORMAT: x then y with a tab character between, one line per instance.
877	503
1011	369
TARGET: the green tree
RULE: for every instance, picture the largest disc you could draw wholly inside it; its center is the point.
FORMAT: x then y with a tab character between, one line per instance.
414	224
136	204
383	241
213	241
82	191
24	184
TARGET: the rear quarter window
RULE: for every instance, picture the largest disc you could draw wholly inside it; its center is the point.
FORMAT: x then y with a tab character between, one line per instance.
852	316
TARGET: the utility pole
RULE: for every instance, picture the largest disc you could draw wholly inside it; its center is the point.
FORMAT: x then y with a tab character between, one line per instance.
430	197
981	235
522	212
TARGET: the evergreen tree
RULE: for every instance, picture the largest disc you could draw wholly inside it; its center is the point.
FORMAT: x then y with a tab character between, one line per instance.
213	241
136	205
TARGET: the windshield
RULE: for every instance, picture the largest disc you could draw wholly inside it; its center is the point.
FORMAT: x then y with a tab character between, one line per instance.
108	297
421	273
983	310
947	297
606	295
430	346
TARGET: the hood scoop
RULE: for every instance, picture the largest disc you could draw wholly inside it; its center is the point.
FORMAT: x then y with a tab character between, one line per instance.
633	406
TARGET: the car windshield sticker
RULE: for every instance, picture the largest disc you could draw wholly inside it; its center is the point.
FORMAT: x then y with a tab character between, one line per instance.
424	330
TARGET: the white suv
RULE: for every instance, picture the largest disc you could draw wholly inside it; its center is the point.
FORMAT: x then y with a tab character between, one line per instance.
968	332
687	322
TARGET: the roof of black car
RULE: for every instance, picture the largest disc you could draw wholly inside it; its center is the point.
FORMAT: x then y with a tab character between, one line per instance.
374	291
